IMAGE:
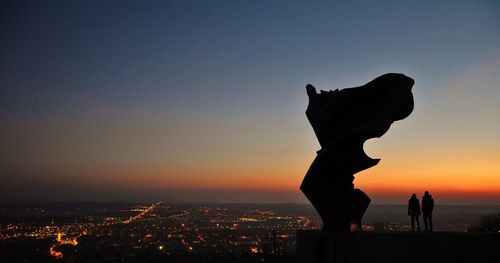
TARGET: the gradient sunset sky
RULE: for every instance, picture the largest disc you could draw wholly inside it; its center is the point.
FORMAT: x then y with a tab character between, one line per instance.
205	100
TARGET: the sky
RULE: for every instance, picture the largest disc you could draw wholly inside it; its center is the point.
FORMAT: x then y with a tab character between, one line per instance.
203	101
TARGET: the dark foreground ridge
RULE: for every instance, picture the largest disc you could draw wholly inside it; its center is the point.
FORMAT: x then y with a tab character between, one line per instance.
364	247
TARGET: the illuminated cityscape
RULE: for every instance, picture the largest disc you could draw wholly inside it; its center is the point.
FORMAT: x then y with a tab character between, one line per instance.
109	232
161	231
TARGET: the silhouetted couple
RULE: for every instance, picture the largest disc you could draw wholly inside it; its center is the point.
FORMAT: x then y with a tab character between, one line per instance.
414	211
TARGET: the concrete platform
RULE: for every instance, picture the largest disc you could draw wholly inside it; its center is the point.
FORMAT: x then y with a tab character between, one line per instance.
368	247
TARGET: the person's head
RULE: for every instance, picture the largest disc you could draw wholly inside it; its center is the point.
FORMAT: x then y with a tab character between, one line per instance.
413	196
426	192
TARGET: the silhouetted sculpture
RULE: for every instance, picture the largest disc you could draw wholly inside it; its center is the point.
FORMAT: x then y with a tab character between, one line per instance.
414	212
342	121
427	207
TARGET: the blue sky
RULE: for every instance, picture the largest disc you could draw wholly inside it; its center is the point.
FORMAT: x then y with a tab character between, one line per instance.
102	88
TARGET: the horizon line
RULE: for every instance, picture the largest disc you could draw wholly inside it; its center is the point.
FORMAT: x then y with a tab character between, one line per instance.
212	202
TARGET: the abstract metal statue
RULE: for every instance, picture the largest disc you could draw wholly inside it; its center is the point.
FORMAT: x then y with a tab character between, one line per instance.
342	121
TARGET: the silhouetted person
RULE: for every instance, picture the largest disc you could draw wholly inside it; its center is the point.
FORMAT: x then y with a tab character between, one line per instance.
414	211
427	207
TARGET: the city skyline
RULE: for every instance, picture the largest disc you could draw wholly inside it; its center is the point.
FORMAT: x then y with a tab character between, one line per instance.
194	102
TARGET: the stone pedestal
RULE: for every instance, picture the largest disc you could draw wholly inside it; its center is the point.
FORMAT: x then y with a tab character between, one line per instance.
367	247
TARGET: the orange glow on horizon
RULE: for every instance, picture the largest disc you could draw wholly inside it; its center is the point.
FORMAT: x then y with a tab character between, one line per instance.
378	180
456	173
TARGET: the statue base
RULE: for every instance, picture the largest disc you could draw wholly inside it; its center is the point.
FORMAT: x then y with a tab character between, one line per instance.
316	246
